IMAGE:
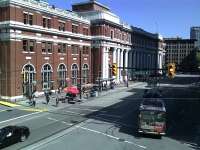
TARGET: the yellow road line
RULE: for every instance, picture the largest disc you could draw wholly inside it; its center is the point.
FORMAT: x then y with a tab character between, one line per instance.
34	110
9	104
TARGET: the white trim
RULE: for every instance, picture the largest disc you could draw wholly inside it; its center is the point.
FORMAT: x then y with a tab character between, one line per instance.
14	36
30	65
46	64
61	64
37	28
74	64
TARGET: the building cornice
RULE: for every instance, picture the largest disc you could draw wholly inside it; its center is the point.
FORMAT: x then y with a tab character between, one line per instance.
105	38
18	37
36	28
45	8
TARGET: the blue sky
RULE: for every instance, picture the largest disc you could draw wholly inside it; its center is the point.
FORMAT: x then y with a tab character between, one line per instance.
168	17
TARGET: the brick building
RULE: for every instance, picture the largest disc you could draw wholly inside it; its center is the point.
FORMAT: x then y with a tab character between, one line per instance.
41	47
44	47
111	40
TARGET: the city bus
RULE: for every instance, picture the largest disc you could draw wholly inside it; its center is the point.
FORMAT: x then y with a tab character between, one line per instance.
152	117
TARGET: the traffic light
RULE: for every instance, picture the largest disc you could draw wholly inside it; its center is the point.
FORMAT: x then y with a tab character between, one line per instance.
171	70
114	69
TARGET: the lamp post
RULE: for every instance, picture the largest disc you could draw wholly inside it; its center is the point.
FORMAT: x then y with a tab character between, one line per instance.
0	83
80	63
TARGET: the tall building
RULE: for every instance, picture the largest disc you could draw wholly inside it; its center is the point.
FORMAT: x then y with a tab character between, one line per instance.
111	40
147	54
195	34
177	49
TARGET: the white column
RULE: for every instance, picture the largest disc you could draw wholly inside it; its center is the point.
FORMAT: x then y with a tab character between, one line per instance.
118	64
121	64
105	63
126	64
114	55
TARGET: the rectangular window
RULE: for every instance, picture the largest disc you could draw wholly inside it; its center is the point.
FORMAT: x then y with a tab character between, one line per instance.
49	47
61	48
74	28
31	46
85	50
85	31
61	26
43	47
25	45
25	18
46	22
28	45
74	49
30	19
111	34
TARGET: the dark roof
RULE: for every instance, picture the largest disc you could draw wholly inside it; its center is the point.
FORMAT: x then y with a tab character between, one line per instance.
153	104
91	2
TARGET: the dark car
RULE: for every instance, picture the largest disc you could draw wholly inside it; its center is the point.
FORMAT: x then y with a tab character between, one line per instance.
13	134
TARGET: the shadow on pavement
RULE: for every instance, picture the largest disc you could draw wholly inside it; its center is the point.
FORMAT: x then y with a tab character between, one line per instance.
183	121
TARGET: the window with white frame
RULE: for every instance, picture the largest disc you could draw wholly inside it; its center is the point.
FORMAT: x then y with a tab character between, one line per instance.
85	73
74	74
46	76
62	74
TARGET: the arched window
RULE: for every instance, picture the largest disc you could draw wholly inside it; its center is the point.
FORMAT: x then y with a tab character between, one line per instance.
74	74
85	73
28	73
46	76
62	75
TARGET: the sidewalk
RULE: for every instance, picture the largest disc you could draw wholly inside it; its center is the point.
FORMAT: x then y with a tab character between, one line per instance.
41	105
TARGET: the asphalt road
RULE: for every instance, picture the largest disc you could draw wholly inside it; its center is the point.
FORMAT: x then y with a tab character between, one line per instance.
109	123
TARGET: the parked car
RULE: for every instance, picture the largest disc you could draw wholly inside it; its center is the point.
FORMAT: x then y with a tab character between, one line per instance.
13	134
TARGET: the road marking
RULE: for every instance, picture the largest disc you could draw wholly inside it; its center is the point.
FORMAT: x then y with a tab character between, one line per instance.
75	113
113	137
93	110
4	110
70	124
19	117
8	104
52	119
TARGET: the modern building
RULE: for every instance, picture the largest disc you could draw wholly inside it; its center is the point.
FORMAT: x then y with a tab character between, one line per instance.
177	49
111	40
195	34
41	47
148	53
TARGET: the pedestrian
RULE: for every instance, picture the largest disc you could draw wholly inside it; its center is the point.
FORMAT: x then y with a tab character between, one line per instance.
47	98
34	102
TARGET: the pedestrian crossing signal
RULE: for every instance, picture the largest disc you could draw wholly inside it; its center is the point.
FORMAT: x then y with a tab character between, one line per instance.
114	69
171	70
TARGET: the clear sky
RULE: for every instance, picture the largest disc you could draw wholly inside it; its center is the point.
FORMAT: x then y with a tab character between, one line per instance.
168	17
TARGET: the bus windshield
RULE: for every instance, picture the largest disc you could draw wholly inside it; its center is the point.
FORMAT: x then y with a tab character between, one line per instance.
152	116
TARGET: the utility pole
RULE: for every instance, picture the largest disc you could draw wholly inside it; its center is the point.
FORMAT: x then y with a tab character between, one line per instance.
80	56
0	83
